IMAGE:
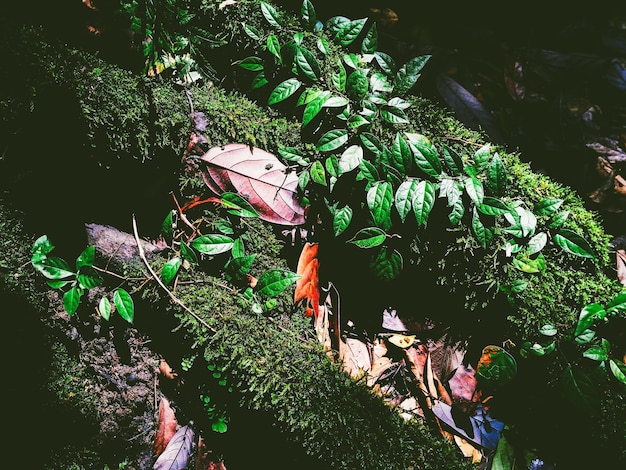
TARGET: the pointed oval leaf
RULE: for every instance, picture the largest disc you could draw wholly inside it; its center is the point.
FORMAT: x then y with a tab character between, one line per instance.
453	161
387	264
368	172
237	268
309	18
379	202
474	189
307	64
371	142
187	253
496	176
386	63
86	258
124	305
71	299
496	366
350	31
558	219
493	206
425	154
548	206
252	32
341	220
618	369
573	243
237	205
350	159
408	74
481	157
258	81
458	209
335	23
271	15
332	140
258	177
54	268
213	244
369	237
313	108
393	115
88	278
536	243
423	201
318	175
104	308
370	41
170	269
478	229
336	102
596	353
339	78
254	64
273	282
588	315
617	304
274	47
404	196
283	90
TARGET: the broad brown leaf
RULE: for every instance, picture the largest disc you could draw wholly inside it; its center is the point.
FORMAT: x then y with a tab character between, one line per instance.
268	185
307	286
166	427
176	454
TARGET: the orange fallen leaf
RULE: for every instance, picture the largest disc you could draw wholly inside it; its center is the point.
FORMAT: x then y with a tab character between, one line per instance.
166	370
166	427
307	286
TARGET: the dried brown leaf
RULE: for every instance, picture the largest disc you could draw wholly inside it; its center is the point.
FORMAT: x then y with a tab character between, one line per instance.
166	428
176	454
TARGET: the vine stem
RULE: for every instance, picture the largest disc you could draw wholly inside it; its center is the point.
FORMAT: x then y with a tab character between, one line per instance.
175	299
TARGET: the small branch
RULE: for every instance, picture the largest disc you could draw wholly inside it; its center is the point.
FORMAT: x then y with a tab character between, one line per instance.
119	276
163	286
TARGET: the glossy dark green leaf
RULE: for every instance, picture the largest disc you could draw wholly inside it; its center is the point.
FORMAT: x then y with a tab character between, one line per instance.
332	140
275	281
379	202
479	230
322	45
237	268
451	189
453	161
104	308
573	243
496	176
336	102
54	268
271	15
618	369
474	189
187	253
318	175
579	390
40	249
425	154
274	48
341	220
334	24
339	78
303	180
313	108
350	159
292	154
239	249
492	206
309	18
386	63
86	258
371	142
393	115
558	219
357	84
212	244
284	90
588	315
252	32
88	278
481	157
170	269
596	353
369	237
258	81
368	172
332	166
387	264
307	64
404	197
350	31
71	299
124	305
423	201
458	209
370	41
357	121
548	206
585	336
237	205
254	64
408	74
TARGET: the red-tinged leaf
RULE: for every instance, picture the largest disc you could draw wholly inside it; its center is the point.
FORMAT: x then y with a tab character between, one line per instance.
621	266
205	460
307	286
166	428
463	383
176	454
258	176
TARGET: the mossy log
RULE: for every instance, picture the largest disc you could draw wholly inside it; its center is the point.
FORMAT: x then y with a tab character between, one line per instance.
117	127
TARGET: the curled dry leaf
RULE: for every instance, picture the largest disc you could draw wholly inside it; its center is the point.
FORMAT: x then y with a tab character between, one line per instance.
166	370
166	428
307	286
176	454
268	185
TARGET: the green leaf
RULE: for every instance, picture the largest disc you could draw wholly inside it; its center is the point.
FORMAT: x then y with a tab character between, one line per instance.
481	157
479	230
458	209
313	108
558	219
322	45
308	95
573	243
334	24
536	243
619	370
350	159
271	15
88	278
474	189
401	156
493	206
548	206
404	196
86	258
496	366
527	221
339	79
357	121
369	237
293	155
379	202
386	63
332	165
452	160
357	84
585	337
219	426
238	267
504	458
273	282
41	247
578	389
423	201
617	304
167	227
187	253
284	90
408	74
170	269
336	102
341	219
588	315
548	330
212	244
399	103
254	64
238	248
124	304
303	179
371	142
318	175
368	172
274	47
529	265
54	268
350	31
496	176
225	226
596	353
104	308
58	284
332	140
309	17
71	299
393	115
450	189
252	32
307	64
237	205
258	81
387	264
370	41
425	154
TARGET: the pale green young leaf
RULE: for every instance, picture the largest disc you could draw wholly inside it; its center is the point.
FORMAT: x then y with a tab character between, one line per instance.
170	269
124	305
451	189
318	175
332	140
379	201
618	369
284	90
529	265
104	308
380	84
536	243
212	244
336	102
423	201
271	15
350	159
369	237
399	103
558	219
303	179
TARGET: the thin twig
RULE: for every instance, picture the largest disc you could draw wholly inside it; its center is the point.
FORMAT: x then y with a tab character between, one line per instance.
175	299
119	276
